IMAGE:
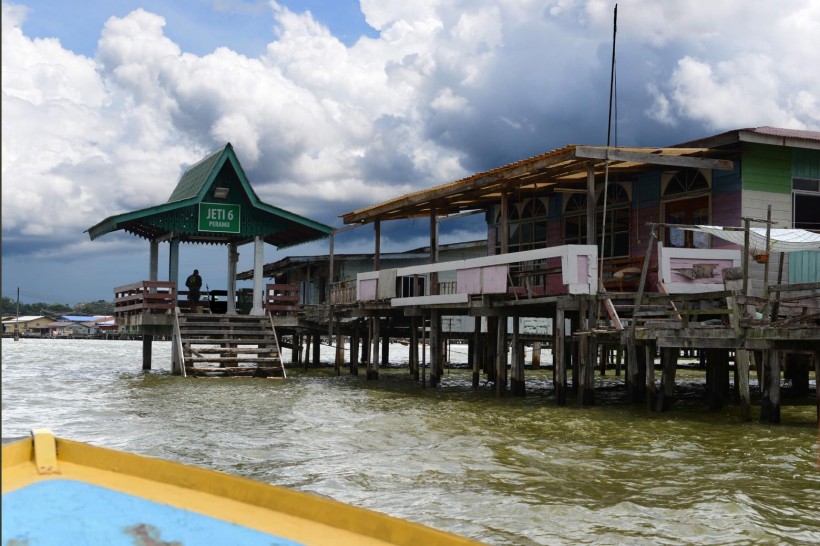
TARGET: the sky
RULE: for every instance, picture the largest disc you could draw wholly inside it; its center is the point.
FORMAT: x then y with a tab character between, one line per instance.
333	105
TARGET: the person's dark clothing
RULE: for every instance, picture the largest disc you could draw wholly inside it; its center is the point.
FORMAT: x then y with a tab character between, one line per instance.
194	284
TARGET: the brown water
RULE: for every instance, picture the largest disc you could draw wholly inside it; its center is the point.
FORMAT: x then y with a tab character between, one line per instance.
503	471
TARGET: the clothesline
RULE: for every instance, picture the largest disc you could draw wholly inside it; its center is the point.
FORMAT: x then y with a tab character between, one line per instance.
780	239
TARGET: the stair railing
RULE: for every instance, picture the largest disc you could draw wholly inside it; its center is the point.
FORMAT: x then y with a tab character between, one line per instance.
278	349
178	343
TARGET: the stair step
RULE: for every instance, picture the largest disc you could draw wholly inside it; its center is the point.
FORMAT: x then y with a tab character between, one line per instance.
235	371
230	359
236	350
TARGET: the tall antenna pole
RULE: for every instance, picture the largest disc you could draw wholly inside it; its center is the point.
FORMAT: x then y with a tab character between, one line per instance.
612	75
601	287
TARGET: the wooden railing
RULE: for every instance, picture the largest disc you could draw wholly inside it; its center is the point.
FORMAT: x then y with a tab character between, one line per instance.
145	296
574	268
282	299
343	293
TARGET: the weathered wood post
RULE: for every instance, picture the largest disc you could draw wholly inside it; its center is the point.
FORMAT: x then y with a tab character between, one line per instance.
584	362
354	351
559	364
385	360
435	347
340	352
414	348
373	363
536	354
517	385
490	348
669	361
717	372
742	366
649	360
770	401
317	350
147	341
477	352
501	357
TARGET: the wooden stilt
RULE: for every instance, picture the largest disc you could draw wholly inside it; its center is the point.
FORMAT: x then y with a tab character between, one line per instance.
770	402
649	361
340	353
295	348
742	366
518	386
435	347
584	365
317	351
477	352
631	369
373	364
619	353
574	353
559	365
717	373
669	361
308	345
423	352
501	357
490	348
147	341
385	360
536	354
414	348
354	352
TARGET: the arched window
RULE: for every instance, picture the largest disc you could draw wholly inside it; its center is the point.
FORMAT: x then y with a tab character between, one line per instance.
686	201
527	223
616	241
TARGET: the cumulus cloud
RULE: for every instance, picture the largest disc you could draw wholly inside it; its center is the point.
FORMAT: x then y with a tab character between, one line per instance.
322	127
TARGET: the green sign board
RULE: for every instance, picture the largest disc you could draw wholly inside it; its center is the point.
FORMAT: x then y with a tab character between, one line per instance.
219	217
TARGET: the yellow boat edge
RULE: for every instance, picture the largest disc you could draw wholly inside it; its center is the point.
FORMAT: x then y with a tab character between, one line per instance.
256	505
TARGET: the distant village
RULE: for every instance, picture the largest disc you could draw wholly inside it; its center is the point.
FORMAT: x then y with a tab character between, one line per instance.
63	327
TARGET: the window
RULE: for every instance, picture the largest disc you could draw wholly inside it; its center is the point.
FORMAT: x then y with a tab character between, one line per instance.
686	201
616	241
806	204
527	223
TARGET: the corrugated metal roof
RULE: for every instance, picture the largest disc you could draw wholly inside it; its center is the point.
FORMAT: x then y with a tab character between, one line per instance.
765	134
179	216
197	175
563	167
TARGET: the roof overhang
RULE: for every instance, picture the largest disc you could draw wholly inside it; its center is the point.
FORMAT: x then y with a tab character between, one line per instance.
564	168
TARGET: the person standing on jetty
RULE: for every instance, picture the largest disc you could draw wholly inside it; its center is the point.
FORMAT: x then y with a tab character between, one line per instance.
194	284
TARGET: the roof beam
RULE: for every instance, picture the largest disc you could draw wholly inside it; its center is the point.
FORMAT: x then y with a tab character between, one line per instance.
471	183
654	158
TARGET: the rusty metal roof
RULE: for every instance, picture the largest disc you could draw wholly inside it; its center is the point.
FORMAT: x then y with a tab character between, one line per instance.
775	136
565	167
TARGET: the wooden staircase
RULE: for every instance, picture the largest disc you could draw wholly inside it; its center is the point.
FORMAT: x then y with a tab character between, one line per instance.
230	345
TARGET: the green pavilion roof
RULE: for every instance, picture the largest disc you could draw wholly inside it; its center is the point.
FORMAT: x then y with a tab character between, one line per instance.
216	183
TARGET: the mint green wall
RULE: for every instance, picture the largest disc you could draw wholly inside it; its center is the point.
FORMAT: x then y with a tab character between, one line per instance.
767	168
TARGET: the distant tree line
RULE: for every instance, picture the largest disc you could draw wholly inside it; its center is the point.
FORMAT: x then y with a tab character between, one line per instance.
53	310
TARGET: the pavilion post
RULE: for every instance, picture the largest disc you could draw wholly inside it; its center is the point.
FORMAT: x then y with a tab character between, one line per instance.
153	266
258	262
173	262
233	258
